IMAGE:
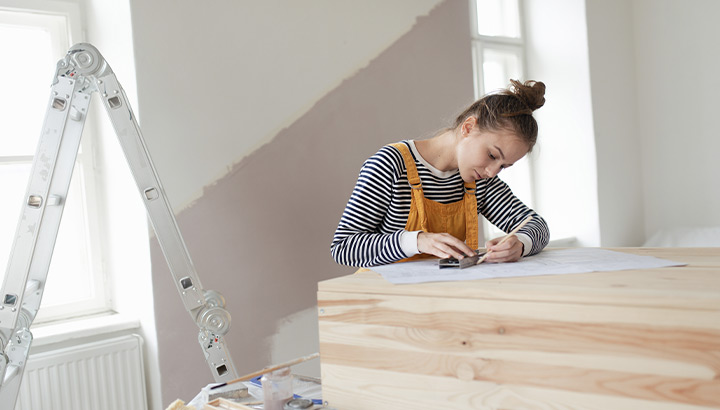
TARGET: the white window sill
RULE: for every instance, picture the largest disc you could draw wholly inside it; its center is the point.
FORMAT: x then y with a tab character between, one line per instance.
568	242
82	328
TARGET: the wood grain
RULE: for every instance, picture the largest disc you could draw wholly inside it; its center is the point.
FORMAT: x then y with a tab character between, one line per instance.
224	404
688	285
615	340
366	388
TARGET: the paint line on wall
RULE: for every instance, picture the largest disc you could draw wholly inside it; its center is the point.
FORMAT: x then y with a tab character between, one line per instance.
291	119
261	235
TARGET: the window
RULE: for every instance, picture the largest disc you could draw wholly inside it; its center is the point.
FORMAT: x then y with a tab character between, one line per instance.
33	41
498	55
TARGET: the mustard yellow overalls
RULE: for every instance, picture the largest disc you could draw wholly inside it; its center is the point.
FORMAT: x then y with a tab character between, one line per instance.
459	219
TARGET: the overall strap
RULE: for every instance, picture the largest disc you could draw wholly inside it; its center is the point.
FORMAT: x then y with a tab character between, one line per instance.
471	215
415	183
412	174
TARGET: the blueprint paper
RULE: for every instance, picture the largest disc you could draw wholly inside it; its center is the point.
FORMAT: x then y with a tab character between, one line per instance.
549	262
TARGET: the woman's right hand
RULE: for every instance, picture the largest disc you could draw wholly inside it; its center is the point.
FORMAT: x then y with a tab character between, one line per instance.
443	245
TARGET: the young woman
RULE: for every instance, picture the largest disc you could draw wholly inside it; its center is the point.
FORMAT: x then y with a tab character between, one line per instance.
416	199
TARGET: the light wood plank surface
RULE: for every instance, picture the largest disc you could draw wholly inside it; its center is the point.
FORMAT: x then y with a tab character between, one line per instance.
645	339
371	389
694	285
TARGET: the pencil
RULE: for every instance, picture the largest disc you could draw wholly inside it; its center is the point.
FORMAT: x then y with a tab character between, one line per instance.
514	231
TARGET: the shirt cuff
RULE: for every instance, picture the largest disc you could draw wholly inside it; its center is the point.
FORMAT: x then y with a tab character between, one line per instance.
408	243
526	241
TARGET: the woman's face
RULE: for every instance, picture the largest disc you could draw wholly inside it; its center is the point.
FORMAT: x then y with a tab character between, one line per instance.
483	154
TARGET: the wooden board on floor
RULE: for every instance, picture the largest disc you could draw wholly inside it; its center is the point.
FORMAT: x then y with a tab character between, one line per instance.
225	404
635	339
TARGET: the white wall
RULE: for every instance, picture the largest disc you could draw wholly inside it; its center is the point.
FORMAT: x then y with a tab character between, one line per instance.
627	144
654	92
614	109
260	60
564	159
127	252
678	83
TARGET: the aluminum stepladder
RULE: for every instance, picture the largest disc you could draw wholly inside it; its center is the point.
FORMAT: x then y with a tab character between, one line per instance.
78	75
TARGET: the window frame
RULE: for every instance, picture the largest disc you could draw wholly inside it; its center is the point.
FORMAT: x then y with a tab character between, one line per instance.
84	179
518	46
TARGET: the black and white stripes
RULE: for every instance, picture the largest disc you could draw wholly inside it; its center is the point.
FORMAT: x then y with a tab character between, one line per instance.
369	230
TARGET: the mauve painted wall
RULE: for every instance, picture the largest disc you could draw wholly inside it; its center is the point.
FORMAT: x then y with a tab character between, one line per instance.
261	235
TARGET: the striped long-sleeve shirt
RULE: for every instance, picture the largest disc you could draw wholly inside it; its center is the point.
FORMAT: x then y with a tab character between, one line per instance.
375	216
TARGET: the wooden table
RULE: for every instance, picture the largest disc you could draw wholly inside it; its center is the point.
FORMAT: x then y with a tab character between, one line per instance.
635	339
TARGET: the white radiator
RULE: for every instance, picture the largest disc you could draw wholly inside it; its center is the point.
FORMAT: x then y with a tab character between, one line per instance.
104	375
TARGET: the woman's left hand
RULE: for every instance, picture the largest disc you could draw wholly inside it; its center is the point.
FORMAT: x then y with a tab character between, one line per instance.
510	251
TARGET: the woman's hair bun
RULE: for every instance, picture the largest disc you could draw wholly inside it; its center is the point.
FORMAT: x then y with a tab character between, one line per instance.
530	92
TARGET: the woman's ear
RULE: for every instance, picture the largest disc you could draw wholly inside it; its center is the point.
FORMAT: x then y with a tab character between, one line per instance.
468	125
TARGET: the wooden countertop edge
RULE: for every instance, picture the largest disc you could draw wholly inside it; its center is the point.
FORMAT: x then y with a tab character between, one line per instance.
647	287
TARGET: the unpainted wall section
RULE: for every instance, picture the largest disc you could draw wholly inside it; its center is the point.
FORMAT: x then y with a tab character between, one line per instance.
261	235
217	79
